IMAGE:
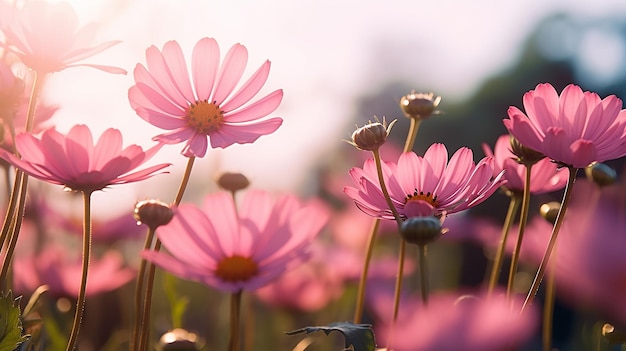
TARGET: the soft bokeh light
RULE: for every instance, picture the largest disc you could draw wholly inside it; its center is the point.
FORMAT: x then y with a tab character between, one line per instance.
325	54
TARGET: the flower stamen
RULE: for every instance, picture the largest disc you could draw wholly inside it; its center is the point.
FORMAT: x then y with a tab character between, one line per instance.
236	269
420	196
205	117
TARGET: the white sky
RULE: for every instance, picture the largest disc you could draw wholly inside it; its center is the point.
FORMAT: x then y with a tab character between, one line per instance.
324	54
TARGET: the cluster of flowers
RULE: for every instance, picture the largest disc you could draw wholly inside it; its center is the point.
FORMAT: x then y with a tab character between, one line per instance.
267	244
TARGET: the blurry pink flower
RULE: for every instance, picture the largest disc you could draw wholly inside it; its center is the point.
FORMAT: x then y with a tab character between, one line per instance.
589	258
575	128
308	287
11	92
425	186
62	274
452	323
74	161
46	37
204	107
244	249
545	177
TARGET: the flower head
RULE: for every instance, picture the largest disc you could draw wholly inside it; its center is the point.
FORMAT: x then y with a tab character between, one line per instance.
371	136
47	38
420	105
425	186
203	107
238	249
574	128
74	161
545	176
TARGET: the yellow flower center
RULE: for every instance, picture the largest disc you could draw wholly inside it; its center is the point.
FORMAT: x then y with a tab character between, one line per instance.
205	117
419	195
236	269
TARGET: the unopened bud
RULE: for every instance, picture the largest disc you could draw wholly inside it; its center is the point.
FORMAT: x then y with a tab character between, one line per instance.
179	340
421	230
371	136
232	181
614	336
153	213
601	174
525	155
420	105
549	211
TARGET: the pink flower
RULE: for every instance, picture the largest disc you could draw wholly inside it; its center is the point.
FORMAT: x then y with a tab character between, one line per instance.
74	161
545	177
61	272
451	323
206	108
425	186
46	37
575	128
242	249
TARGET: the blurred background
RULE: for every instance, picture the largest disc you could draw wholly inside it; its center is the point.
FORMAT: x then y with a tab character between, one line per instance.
342	62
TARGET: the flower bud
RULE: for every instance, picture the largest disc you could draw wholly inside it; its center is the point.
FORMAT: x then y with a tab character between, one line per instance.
371	136
232	181
421	230
614	336
549	211
419	105
179	340
601	174
153	213
525	155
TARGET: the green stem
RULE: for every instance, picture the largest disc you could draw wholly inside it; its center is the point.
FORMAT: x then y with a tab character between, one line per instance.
145	311
532	292
139	290
80	303
360	298
522	227
548	310
423	262
235	307
383	188
13	226
508	221
413	129
147	304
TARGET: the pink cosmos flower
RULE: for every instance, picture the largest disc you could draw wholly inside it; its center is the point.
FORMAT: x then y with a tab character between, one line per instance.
62	274
47	38
204	107
74	161
545	176
575	128
425	186
451	323
238	249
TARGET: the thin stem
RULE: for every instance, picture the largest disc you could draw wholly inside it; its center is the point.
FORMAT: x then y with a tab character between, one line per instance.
383	188
184	181
522	227
80	303
139	290
548	310
413	129
145	311
508	221
360	297
13	224
235	307
423	262
555	232
147	303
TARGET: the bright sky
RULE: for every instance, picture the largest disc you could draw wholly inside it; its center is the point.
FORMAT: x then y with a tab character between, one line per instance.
324	54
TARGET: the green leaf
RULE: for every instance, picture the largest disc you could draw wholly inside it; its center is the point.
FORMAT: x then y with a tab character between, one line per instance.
359	336
10	323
